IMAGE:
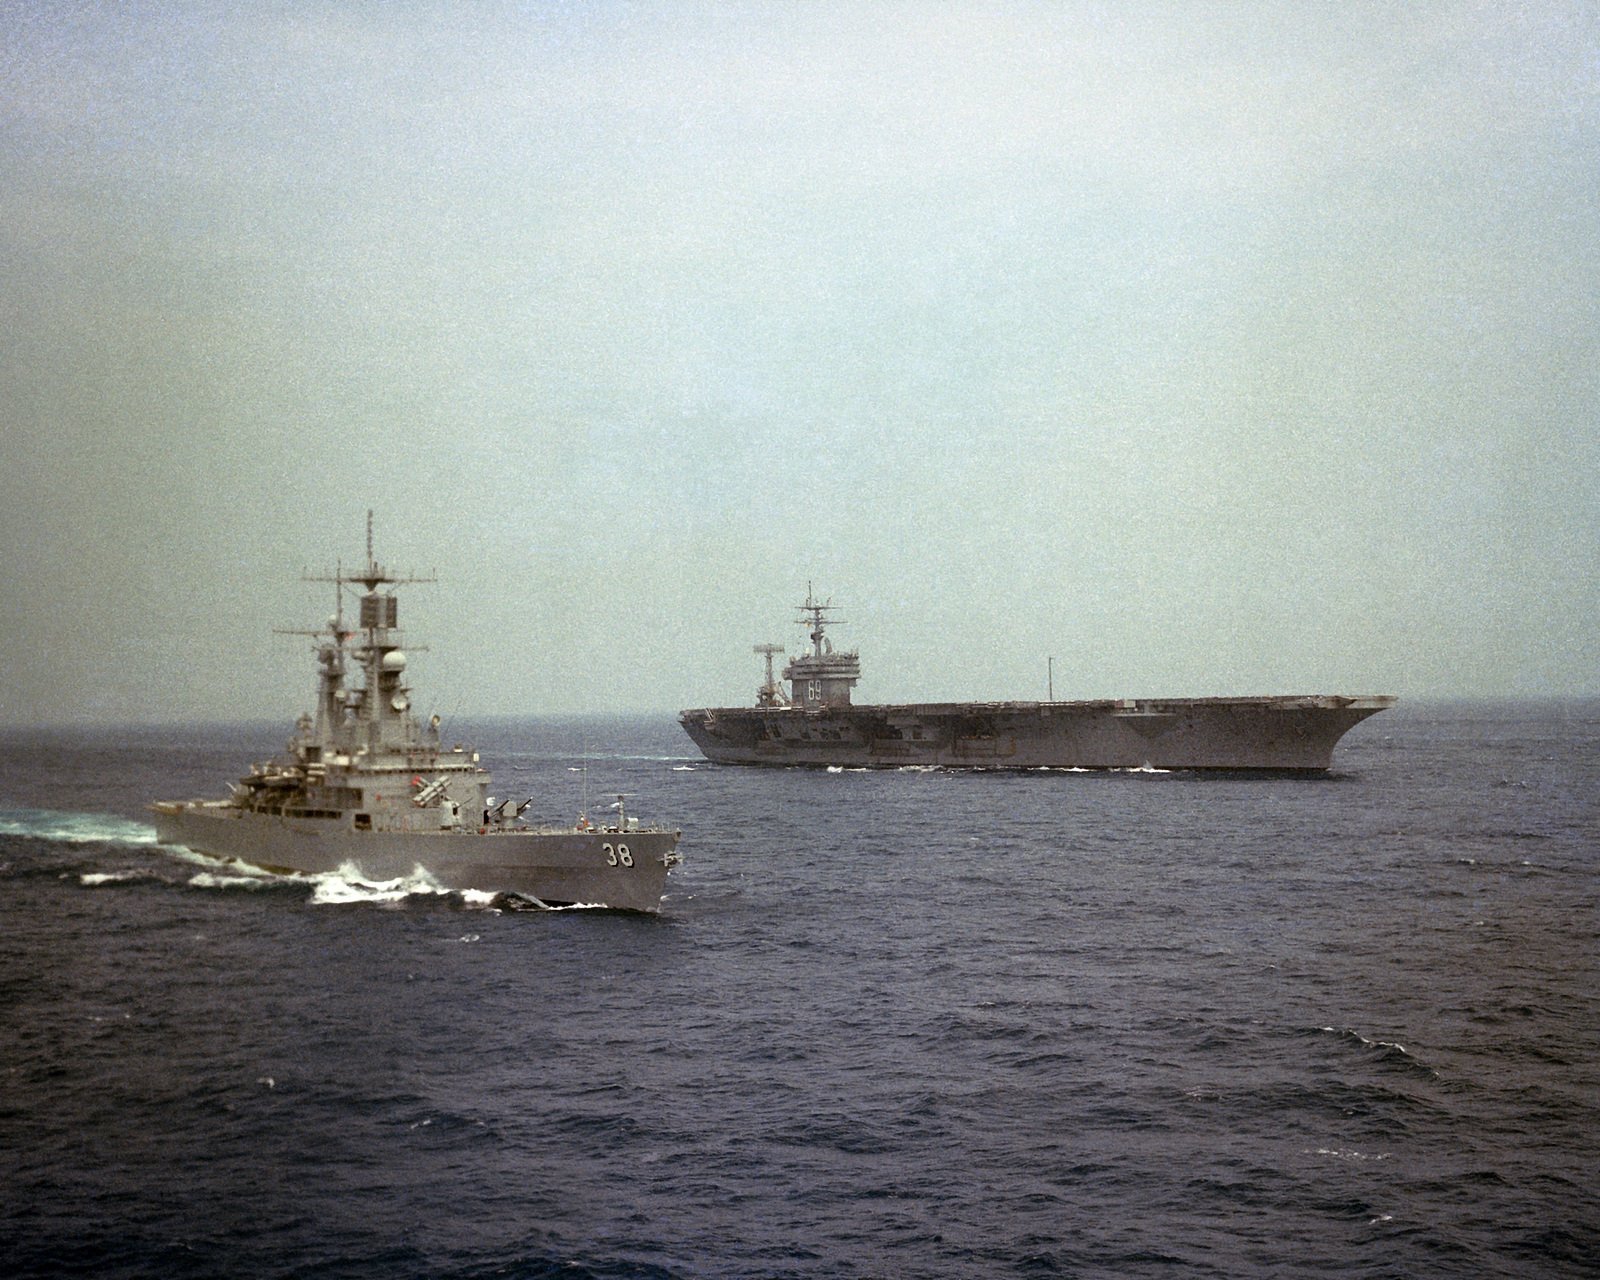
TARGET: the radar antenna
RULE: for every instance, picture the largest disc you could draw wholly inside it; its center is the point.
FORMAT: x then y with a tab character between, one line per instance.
816	613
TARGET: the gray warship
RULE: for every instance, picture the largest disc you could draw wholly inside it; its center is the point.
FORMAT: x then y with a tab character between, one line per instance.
364	790
815	723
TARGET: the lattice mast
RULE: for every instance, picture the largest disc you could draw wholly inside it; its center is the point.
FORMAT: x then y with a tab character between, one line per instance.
770	694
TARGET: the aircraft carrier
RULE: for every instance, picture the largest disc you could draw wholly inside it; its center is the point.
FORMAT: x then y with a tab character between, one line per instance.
815	723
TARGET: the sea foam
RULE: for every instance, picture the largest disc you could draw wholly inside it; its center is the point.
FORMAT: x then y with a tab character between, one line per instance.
75	828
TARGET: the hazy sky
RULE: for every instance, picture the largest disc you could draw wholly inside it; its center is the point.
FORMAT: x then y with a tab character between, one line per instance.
1205	347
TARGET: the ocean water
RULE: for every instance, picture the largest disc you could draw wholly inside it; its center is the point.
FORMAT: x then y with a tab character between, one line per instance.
920	1024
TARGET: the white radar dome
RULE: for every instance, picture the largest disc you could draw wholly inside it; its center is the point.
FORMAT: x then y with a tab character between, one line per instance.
394	660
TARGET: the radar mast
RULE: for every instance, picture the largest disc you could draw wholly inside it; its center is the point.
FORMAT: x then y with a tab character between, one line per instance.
819	621
770	694
382	707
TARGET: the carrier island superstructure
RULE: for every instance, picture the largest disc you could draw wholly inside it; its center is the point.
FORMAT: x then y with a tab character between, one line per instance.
815	723
363	789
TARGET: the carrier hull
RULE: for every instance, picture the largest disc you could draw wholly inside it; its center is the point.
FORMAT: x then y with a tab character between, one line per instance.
621	870
1280	734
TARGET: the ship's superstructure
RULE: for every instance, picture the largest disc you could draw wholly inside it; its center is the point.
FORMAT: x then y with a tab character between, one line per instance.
821	678
363	787
817	724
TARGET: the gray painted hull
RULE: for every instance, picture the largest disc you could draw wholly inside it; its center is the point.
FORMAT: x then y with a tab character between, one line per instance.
557	867
1266	734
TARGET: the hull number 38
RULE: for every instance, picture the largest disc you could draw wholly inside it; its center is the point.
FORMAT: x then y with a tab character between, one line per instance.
617	855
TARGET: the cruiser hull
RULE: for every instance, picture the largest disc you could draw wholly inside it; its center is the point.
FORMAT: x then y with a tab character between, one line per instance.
1264	734
625	871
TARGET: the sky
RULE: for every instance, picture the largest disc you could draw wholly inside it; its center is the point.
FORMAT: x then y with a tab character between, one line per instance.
1173	348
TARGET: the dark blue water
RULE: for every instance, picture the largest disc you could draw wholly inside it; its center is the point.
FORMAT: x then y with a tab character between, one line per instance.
888	1024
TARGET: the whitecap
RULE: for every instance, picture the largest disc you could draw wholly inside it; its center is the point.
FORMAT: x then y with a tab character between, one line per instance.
1376	1044
211	880
96	878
